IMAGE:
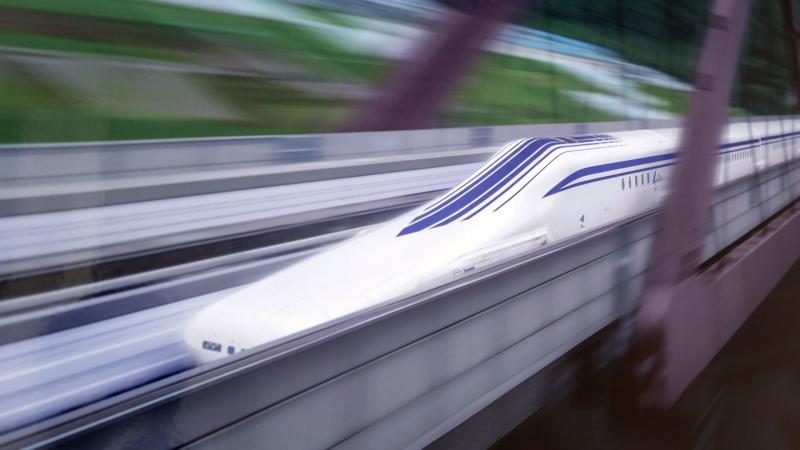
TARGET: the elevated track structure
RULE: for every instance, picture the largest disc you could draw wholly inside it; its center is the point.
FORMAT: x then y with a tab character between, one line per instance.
461	364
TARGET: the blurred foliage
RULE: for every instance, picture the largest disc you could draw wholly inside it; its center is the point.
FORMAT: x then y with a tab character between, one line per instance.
255	75
129	69
510	90
766	74
667	34
662	34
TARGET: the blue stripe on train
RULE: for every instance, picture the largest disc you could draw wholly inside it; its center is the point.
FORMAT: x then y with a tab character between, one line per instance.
500	174
587	171
483	187
479	187
564	184
458	192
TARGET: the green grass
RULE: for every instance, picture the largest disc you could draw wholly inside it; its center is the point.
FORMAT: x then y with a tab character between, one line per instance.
36	114
677	102
39	42
33	111
22	93
504	90
70	126
142	11
511	90
268	102
276	39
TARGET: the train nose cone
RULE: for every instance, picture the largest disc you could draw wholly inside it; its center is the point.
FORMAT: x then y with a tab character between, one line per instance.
218	331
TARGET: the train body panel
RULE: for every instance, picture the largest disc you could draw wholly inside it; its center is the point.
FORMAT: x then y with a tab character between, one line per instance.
530	194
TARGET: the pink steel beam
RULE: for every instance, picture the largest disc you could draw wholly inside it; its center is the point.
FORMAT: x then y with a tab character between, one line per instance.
665	319
679	245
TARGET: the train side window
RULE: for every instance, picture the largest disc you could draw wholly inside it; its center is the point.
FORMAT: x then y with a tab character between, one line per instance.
636	181
629	182
648	177
213	346
623	183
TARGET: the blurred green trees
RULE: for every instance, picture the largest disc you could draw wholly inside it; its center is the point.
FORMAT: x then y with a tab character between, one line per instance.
666	35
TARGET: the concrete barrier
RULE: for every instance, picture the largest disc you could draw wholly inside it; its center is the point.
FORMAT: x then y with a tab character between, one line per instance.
50	177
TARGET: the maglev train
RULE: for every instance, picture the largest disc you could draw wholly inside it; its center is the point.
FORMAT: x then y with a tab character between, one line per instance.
532	193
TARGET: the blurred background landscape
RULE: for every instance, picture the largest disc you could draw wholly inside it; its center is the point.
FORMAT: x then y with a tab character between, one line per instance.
146	69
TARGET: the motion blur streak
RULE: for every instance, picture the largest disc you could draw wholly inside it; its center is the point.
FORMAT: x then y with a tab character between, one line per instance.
155	154
43	376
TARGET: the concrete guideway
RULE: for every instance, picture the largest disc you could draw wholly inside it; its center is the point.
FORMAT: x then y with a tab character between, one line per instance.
40	178
57	239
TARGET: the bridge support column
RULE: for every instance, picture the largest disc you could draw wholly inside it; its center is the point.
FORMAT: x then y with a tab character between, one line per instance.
676	337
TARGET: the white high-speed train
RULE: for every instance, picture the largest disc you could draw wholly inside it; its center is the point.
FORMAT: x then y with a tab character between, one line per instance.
530	194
